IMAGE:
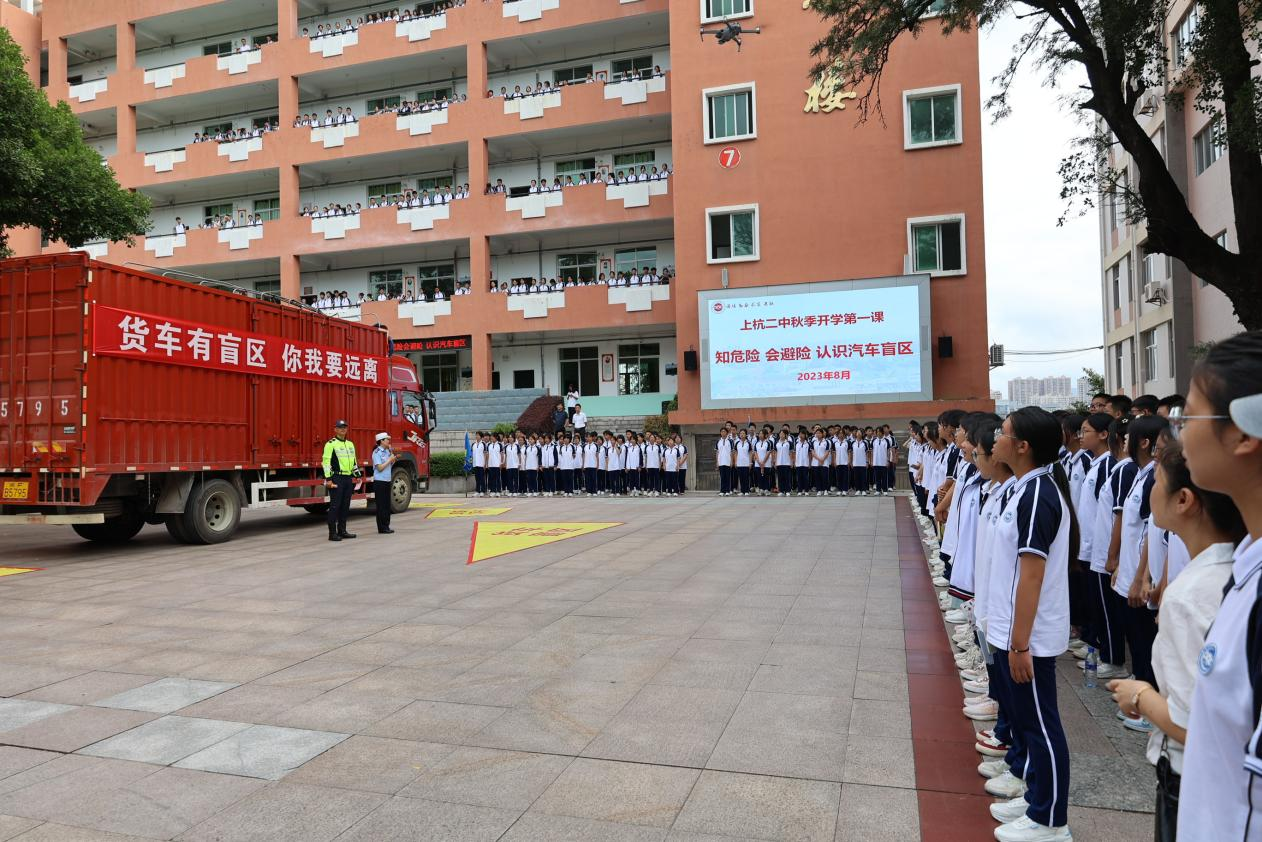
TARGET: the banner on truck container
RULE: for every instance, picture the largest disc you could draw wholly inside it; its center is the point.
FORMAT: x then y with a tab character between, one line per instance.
157	339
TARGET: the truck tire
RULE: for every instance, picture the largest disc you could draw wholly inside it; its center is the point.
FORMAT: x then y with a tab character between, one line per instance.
175	528
320	509
115	530
401	487
213	512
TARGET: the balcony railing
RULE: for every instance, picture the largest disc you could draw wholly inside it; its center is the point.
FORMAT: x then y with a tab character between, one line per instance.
528	10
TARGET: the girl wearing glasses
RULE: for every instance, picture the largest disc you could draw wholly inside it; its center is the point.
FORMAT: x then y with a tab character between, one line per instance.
1028	623
1130	571
1221	433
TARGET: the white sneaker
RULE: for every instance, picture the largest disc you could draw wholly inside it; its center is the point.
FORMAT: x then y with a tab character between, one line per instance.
956	616
974	675
1111	671
939	582
986	711
977	701
1026	829
1076	643
1006	785
977	686
992	768
1009	811
988	745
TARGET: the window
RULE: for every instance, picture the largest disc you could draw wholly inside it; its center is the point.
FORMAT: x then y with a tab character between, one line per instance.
1206	147
579	266
260	40
936	8
387	188
729	113
431	184
524	378
1118	366
1148	339
631	160
433	95
931	117
388	281
440	372
264	122
1115	279
267	209
937	245
223	48
267	286
637	368
623	66
581	367
437	276
718	9
1184	34
1155	268
629	260
732	234
575	168
578	73
212	211
215	128
1170	349
383	103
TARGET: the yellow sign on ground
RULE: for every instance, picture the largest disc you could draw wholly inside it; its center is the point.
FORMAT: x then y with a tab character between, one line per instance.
13	571
436	504
496	539
457	511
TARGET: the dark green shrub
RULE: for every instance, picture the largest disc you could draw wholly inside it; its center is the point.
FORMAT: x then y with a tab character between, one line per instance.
447	464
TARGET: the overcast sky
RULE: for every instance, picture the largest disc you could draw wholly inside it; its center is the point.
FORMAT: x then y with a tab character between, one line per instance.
1043	280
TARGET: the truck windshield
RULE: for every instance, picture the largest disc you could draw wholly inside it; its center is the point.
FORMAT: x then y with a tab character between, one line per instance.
413	410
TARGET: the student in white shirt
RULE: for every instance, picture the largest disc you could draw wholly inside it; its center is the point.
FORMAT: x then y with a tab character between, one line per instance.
634	462
1221	432
548	465
495	465
880	463
479	463
653	465
723	460
1211	526
859	448
742	454
764	462
1112	632
1028	622
578	419
784	463
681	457
530	466
821	456
670	467
610	463
802	464
591	462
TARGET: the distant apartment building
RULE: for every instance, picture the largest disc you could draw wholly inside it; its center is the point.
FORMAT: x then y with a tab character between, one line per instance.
1031	390
1155	311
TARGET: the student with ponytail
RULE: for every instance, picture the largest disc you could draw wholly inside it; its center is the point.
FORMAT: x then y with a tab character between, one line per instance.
1221	433
1028	623
1111	609
1094	436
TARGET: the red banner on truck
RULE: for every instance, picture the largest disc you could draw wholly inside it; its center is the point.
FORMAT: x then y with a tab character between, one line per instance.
144	336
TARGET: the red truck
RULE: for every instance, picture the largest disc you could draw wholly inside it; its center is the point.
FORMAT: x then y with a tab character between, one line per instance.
129	398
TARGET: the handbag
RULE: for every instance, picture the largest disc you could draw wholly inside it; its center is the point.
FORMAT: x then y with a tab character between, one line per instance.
1166	816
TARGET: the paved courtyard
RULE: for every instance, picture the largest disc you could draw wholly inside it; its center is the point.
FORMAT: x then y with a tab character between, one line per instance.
712	669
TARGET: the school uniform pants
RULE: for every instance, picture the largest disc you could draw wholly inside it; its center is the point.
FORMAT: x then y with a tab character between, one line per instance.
670	481
742	475
784	477
819	477
567	480
725	479
881	476
381	497
1033	713
479	480
832	478
1108	619
494	478
681	480
764	479
512	478
1141	631
549	480
802	483
859	478
633	479
532	481
1079	602
845	478
591	479
998	690
611	481
653	479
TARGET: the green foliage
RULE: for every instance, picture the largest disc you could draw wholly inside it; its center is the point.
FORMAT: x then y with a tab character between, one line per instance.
49	178
504	428
658	424
446	464
1095	380
670	405
537	418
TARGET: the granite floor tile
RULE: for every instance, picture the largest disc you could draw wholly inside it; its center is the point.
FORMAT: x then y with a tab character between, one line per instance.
630	793
166	740
879	761
729	804
541	827
509	780
11	826
166	695
251	703
17	713
16	679
14	760
88	688
285	812
432	821
53	832
441	722
262	751
785	735
877	814
76	728
373	764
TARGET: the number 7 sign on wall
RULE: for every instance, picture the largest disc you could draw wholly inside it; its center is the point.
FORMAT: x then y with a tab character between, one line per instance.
729	157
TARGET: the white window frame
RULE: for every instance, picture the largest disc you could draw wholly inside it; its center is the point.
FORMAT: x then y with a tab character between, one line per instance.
729	209
707	18
923	93
707	93
915	221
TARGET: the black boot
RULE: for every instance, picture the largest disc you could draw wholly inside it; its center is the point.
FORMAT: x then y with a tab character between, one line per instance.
333	536
345	534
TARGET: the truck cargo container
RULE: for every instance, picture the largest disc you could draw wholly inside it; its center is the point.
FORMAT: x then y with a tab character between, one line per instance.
129	398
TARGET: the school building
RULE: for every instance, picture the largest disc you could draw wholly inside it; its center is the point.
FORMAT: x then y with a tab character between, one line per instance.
773	182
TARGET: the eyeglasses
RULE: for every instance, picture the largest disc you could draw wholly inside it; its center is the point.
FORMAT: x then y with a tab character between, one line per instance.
1000	434
1178	419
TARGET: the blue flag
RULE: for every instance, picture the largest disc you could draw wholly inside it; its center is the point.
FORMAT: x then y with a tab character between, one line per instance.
468	453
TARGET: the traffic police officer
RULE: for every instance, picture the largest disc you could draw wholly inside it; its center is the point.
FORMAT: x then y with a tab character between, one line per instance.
340	468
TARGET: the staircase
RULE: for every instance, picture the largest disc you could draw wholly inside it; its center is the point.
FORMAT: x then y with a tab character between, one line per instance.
616	424
473	411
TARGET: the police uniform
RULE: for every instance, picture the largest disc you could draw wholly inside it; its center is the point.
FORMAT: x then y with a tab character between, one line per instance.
340	465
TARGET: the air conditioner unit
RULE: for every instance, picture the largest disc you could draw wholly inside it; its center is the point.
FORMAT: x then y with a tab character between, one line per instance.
996	356
1155	292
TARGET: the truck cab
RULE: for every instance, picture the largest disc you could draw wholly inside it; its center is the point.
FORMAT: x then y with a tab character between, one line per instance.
413	415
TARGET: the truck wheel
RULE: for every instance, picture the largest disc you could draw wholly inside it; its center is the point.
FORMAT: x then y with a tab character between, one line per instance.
213	512
115	530
175	528
400	490
320	509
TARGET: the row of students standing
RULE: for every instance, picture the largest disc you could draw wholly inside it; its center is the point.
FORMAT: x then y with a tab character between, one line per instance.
635	464
833	460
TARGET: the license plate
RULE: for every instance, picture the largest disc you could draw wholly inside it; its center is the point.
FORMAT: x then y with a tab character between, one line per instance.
16	490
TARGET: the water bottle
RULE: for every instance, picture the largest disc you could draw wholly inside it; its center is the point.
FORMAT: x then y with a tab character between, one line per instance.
1090	668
